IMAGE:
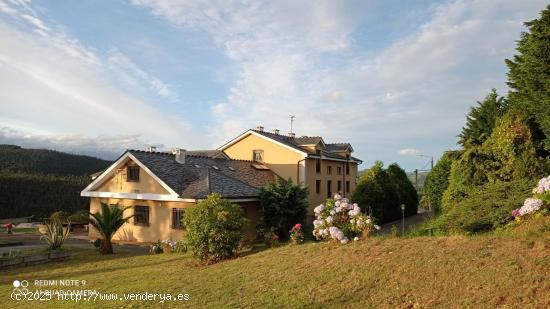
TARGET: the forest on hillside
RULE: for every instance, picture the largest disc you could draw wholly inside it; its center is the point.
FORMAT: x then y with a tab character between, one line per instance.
39	182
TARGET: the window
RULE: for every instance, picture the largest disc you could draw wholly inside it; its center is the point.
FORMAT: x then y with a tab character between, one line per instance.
141	215
339	186
177	216
132	173
317	186
329	170
318	162
339	170
347	168
258	155
329	188
347	186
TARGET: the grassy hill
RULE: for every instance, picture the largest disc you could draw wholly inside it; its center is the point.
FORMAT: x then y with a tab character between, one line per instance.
38	181
422	272
15	159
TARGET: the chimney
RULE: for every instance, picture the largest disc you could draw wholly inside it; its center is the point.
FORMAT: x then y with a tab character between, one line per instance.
260	128
275	131
180	155
292	135
151	149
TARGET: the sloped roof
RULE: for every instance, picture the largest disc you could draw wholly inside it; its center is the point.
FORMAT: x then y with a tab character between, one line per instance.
338	147
297	142
200	175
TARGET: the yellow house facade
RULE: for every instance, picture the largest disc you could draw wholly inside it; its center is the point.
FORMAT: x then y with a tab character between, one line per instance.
324	168
156	188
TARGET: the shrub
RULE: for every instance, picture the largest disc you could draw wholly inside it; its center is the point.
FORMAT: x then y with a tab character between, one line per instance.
340	220
283	205
156	247
538	204
214	228
55	234
80	216
60	216
296	234
484	208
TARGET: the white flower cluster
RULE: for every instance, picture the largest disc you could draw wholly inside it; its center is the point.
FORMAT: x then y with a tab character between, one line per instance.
333	218
543	186
530	205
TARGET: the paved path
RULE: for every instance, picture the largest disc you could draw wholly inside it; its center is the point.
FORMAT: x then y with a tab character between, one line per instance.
410	222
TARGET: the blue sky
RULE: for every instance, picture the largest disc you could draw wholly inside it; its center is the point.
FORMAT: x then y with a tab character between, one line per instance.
394	78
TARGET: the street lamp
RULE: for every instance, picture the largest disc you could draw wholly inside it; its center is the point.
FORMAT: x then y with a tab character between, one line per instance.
403	216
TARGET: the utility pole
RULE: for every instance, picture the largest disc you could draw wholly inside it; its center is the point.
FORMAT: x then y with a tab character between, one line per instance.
291	122
416	179
432	163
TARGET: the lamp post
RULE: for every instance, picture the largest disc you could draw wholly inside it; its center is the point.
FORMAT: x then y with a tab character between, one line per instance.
403	216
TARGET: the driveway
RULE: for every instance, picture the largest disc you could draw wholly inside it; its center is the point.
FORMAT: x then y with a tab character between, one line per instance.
410	222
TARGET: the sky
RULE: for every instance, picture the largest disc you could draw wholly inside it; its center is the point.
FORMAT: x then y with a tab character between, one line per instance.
393	78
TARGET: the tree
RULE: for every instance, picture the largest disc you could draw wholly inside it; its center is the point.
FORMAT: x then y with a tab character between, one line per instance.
214	228
107	222
529	76
437	180
283	205
481	120
376	195
405	190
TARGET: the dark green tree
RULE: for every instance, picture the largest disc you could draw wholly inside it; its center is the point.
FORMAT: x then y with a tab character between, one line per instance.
405	190
529	76
481	120
376	195
283	205
437	181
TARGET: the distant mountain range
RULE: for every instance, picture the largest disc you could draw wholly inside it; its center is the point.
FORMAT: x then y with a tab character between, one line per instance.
15	159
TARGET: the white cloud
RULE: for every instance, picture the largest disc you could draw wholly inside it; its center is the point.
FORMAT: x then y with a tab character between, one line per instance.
410	152
56	91
423	81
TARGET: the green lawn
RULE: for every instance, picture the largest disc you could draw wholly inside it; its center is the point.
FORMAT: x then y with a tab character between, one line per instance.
30	230
422	272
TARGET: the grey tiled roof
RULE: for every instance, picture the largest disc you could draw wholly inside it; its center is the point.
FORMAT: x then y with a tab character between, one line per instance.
200	176
337	147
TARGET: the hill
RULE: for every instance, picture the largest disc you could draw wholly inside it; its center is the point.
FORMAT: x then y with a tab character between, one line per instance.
14	159
39	182
417	272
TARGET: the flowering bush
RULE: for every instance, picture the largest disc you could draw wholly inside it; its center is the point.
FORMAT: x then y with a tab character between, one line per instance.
296	234
340	220
535	204
8	227
167	246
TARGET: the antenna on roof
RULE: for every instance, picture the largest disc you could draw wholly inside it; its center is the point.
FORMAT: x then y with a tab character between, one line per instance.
291	122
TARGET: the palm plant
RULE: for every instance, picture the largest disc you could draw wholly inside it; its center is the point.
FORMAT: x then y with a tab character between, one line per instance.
55	234
107	222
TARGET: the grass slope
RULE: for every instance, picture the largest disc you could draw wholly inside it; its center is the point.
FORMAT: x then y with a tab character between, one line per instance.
422	272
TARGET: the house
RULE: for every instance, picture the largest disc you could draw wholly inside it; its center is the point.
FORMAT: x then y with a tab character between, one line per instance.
159	186
325	168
